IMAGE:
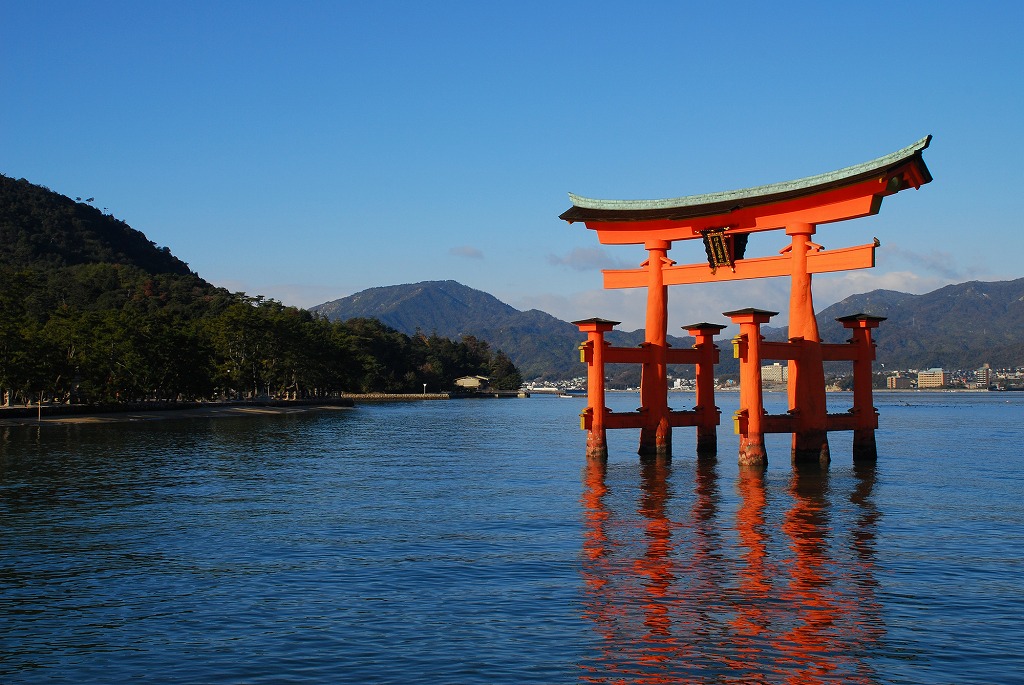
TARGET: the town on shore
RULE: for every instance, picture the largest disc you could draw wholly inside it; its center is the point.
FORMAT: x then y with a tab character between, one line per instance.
777	374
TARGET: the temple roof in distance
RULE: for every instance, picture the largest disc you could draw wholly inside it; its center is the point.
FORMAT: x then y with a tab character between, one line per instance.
588	209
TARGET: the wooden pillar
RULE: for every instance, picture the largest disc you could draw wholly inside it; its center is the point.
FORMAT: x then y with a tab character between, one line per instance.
707	428
860	325
656	433
807	372
593	416
750	417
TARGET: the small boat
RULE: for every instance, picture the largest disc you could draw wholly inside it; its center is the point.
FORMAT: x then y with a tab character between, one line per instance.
566	394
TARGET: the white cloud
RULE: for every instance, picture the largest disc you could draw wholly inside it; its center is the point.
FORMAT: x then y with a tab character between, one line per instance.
467	251
589	259
941	264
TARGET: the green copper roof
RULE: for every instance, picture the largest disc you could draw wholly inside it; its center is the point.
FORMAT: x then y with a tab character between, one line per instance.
589	209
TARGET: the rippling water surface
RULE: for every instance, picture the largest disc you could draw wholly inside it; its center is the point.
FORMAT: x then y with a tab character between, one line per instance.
470	542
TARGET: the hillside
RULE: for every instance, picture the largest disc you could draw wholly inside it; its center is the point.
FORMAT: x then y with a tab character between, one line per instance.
959	326
41	228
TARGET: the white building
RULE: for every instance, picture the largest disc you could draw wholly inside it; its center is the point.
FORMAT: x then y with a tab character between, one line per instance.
775	373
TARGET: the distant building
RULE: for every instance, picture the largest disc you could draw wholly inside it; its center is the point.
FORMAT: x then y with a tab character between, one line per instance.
472	382
932	378
898	383
983	377
775	373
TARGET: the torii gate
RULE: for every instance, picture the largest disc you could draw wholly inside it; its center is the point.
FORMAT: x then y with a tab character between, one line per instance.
723	221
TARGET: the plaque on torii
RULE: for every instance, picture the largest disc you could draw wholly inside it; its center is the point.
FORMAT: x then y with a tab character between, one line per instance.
723	222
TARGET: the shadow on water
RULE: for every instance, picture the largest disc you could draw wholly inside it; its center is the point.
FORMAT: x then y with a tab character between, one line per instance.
694	587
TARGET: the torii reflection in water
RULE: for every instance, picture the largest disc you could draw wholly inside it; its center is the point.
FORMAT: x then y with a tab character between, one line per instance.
688	588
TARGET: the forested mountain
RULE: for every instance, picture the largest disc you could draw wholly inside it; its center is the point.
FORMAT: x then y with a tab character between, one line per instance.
959	326
93	311
446	307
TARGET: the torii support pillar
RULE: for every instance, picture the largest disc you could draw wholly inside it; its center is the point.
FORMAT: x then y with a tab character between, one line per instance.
864	448
594	414
749	419
707	356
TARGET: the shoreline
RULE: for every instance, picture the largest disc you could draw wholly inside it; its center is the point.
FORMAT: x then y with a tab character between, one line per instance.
81	414
66	414
62	414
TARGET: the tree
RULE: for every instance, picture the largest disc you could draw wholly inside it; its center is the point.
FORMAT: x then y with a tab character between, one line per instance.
504	374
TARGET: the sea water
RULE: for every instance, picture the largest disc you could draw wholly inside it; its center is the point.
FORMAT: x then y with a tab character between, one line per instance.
468	541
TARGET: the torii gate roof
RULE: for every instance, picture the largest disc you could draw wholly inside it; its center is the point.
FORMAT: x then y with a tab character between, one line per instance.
895	171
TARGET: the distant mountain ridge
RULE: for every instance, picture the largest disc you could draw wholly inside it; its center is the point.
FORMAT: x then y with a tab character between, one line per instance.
958	326
541	345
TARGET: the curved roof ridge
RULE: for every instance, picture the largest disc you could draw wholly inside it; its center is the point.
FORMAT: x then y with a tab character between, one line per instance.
829	178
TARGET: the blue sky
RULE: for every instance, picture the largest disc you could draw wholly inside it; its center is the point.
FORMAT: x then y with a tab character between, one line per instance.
308	150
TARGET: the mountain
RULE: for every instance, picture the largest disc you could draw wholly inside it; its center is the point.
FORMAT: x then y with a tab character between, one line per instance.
958	326
539	344
445	307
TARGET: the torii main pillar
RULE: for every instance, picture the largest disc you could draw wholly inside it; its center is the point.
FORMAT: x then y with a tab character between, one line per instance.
656	433
807	375
723	222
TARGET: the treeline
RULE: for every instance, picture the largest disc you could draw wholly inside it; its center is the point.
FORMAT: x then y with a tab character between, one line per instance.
94	333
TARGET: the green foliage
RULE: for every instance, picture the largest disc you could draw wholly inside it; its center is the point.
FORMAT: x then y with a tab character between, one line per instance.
100	333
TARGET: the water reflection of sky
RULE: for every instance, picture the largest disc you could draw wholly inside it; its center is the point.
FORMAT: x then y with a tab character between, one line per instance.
682	587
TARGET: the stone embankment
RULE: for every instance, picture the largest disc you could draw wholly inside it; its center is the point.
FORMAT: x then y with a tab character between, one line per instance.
396	397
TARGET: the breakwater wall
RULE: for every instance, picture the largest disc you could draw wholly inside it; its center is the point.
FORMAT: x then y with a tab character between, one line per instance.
396	397
412	397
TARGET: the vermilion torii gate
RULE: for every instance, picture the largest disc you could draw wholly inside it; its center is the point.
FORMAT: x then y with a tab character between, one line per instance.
723	221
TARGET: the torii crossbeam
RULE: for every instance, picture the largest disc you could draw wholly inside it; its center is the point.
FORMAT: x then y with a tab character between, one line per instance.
723	221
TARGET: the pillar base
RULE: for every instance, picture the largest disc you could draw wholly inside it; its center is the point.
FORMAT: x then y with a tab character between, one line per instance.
597	445
864	448
811	447
752	452
656	442
707	441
